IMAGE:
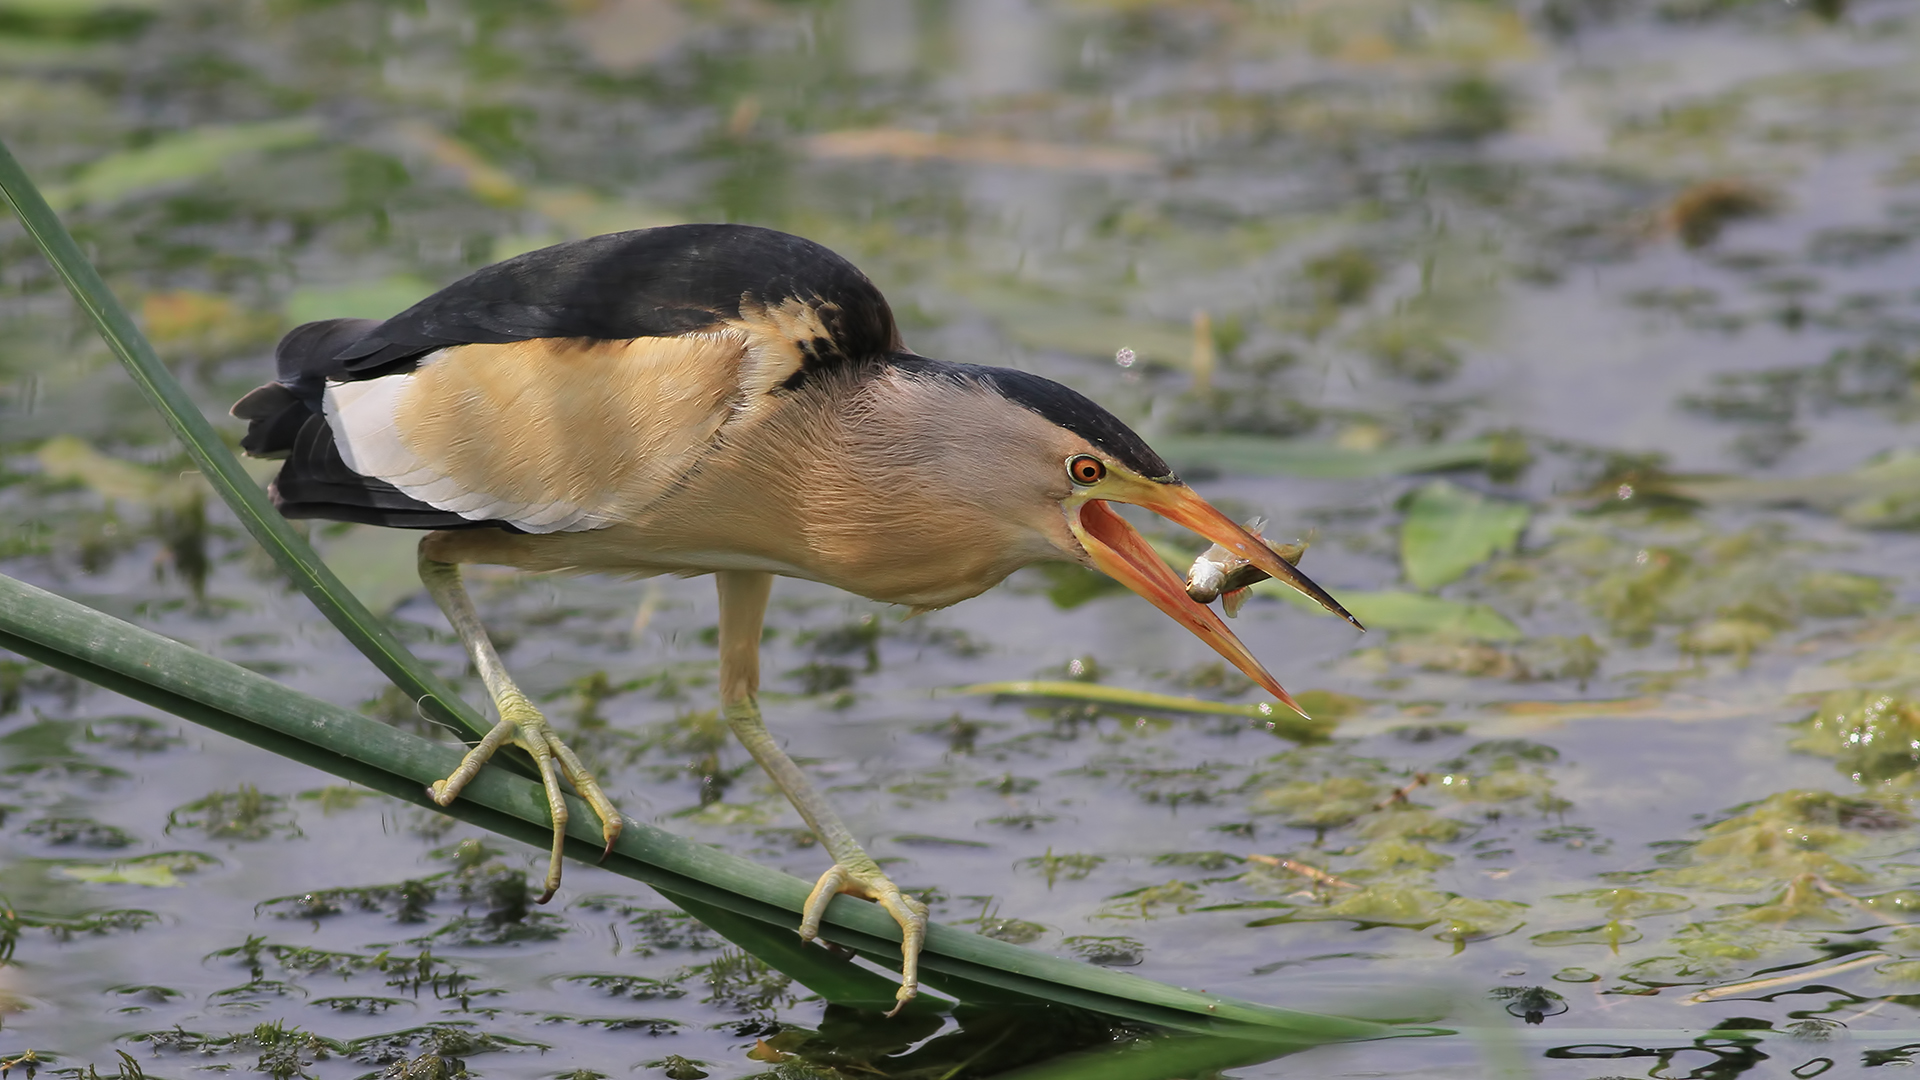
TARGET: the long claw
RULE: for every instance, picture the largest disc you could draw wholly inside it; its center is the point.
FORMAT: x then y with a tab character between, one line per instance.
556	806
743	605
911	914
873	885
445	791
583	782
523	726
830	885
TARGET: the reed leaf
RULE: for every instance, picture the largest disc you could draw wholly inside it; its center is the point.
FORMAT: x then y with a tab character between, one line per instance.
217	464
1276	716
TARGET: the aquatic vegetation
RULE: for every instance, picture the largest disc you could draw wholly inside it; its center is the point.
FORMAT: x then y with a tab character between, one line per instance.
1106	950
1071	866
242	814
67	927
1334	801
1778	839
1873	736
85	832
744	983
1448	530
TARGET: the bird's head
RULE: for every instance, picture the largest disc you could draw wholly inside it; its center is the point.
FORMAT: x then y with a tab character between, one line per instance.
1113	547
1084	459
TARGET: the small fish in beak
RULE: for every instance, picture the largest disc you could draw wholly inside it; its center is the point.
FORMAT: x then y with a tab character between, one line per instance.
1219	573
1120	552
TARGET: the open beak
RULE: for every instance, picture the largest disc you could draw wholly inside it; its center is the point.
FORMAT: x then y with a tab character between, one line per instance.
1124	555
1179	504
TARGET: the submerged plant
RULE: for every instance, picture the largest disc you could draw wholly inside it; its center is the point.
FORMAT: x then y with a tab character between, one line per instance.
1872	736
242	814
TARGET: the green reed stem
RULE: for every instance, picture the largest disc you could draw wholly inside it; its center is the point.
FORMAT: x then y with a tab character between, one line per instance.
217	463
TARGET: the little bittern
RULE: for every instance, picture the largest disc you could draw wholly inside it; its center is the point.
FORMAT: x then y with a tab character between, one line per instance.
712	399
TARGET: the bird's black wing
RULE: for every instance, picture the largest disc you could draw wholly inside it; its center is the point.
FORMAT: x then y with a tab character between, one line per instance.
796	305
662	282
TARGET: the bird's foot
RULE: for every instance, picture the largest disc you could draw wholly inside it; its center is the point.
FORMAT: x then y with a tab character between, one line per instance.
521	724
863	878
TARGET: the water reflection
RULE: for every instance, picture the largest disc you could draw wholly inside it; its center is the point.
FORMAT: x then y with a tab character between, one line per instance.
1005	47
882	39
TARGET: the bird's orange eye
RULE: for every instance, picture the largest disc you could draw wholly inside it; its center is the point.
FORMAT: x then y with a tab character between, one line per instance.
1086	470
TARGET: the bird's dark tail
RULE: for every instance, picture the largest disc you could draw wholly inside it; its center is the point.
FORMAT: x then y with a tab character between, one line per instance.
286	420
276	412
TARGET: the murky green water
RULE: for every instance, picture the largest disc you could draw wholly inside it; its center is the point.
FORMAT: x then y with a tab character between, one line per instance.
1618	776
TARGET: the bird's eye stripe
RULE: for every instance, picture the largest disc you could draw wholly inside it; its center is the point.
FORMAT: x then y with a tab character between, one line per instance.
1086	470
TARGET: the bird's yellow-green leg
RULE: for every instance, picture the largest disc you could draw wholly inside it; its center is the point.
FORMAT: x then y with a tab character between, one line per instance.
520	723
743	607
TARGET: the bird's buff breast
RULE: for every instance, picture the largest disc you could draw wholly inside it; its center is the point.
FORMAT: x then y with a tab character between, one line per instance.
916	574
897	491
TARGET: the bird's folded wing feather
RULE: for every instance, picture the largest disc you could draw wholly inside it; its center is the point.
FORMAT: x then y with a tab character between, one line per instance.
548	435
565	389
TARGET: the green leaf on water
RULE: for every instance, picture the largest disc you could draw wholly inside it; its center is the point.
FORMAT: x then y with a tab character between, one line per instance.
1612	934
1462	918
1143	699
1882	494
1625	903
1450	530
1411	612
1320	804
161	870
1116	695
66	458
69	9
1872	735
1318	460
357	300
177	158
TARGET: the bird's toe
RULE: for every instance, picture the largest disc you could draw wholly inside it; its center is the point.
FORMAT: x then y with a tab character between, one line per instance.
868	882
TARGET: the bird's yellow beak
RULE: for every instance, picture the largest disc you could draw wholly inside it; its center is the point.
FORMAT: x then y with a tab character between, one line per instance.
1122	553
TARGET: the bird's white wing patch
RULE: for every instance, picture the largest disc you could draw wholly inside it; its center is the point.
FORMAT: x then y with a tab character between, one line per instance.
548	435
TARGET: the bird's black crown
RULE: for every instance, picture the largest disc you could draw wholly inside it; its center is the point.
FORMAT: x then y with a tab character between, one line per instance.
1057	404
